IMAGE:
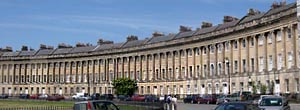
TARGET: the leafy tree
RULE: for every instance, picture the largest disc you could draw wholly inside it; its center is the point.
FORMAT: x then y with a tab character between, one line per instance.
124	86
263	89
254	88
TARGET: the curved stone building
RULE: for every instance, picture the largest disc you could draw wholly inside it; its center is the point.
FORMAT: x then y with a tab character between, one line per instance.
261	48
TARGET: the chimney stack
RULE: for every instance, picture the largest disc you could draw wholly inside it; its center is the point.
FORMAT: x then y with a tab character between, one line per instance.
7	49
80	44
63	45
156	34
228	19
101	42
132	38
252	11
43	46
277	5
184	29
24	48
206	25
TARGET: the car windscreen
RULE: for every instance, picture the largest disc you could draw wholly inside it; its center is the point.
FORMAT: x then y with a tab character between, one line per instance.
271	102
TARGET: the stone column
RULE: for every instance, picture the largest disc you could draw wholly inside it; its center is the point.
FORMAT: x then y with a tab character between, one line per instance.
274	47
284	55
265	45
255	38
247	54
194	63
179	65
294	45
153	68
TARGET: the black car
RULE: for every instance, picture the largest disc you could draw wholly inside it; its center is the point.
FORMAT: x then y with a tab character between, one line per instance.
95	96
151	98
191	99
237	106
106	97
24	96
3	96
124	97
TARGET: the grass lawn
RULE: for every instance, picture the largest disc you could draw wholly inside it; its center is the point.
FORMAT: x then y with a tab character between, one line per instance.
43	103
33	103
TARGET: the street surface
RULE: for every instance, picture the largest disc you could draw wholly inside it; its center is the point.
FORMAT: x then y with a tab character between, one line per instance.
183	106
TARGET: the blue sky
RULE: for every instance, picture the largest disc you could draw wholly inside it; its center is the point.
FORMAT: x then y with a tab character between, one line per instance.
50	22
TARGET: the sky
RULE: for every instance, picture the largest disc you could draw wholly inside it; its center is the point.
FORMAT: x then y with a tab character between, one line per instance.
50	22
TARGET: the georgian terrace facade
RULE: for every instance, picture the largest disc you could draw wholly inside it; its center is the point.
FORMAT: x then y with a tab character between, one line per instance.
260	49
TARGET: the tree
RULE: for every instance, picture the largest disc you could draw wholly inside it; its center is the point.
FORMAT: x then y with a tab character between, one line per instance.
124	86
263	89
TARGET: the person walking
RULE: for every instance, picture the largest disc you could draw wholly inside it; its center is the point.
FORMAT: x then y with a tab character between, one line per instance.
169	100
174	102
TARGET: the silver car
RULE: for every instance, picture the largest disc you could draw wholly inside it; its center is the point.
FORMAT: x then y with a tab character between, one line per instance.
274	103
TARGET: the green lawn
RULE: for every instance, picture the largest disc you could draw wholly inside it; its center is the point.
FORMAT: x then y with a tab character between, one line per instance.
43	103
32	103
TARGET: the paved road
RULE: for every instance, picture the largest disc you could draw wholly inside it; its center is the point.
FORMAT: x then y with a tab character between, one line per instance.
183	106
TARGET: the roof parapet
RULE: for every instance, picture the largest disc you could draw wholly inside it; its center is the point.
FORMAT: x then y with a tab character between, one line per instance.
132	38
184	28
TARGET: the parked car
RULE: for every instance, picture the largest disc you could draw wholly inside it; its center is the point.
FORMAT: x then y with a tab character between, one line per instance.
81	96
207	99
124	97
274	103
95	105
55	98
151	98
221	99
95	96
191	99
24	96
3	96
240	96
261	97
34	96
43	96
138	98
106	97
237	106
